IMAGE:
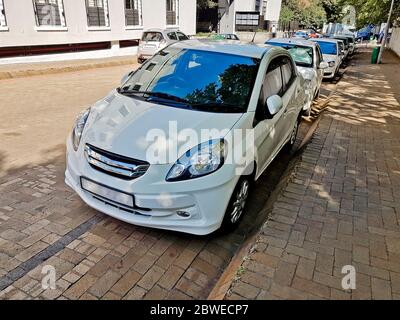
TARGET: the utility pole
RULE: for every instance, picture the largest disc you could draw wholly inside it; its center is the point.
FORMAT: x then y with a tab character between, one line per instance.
384	40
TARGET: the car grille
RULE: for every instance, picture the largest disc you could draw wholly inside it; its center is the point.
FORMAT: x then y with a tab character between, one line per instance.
115	165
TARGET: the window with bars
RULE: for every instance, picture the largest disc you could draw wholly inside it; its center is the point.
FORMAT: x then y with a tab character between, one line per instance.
172	12
3	21
133	12
49	13
97	13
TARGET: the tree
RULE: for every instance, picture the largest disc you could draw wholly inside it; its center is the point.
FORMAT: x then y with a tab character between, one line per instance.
306	12
206	4
372	11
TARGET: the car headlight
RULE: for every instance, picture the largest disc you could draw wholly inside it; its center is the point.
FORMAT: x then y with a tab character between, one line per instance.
79	127
200	161
331	63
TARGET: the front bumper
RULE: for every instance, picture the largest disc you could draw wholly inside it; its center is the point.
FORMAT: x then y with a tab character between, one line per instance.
330	72
156	201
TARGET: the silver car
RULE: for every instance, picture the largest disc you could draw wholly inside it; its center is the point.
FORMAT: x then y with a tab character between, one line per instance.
154	40
309	61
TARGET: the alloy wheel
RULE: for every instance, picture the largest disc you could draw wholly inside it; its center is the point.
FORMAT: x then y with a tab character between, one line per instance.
240	201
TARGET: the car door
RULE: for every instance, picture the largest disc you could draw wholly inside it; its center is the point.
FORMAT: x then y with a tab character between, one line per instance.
182	36
172	36
292	97
320	72
268	132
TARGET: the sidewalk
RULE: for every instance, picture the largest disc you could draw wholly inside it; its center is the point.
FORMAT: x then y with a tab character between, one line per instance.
340	207
33	69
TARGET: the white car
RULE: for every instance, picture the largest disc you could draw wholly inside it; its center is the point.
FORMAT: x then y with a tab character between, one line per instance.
154	40
166	149
332	54
309	61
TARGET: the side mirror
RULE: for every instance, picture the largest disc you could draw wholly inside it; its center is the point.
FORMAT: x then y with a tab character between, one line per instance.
323	65
126	77
273	105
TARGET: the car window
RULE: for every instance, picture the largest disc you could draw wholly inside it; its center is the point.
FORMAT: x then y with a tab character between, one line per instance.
172	36
201	79
273	84
152	36
288	73
302	55
328	47
321	57
182	36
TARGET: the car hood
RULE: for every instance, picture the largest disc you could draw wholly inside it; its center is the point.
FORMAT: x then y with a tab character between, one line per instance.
307	73
139	129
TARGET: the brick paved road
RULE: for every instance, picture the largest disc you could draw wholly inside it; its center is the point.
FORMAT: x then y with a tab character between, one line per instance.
341	207
43	223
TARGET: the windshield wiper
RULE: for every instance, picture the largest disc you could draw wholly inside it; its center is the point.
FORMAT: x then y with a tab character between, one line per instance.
146	94
218	107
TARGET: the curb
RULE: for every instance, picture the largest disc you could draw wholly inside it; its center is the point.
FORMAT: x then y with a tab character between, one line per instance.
54	70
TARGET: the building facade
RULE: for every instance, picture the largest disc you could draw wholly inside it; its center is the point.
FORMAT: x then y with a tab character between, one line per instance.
87	23
247	15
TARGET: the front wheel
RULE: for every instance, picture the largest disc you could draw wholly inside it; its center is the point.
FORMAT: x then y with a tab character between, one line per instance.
237	204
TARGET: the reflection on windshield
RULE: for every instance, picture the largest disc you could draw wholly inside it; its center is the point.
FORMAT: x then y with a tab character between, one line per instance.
328	47
201	78
303	56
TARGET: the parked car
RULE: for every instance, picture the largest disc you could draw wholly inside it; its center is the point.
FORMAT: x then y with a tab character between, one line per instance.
346	44
180	184
332	54
301	34
309	61
352	43
154	40
224	36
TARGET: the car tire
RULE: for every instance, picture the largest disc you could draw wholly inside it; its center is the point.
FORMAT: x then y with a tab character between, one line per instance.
237	205
293	136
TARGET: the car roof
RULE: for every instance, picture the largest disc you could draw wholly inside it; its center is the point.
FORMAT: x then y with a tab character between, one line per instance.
238	48
326	40
297	41
161	30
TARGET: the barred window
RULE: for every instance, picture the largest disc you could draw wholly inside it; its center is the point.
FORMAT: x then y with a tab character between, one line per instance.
133	12
172	12
97	13
49	13
3	21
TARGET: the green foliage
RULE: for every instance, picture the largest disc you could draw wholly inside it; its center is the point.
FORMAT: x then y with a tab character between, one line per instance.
372	11
315	12
206	4
306	12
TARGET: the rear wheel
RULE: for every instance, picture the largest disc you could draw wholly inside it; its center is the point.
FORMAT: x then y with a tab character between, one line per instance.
237	204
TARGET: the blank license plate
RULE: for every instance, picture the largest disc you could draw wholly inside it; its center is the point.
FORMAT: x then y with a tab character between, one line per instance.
107	193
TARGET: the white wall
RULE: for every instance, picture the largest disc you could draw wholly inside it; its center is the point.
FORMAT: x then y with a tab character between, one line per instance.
22	26
273	10
395	41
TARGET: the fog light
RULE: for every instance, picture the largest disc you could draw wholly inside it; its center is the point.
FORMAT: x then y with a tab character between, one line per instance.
183	214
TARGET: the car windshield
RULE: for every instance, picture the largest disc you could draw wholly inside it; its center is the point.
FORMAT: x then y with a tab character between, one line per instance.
328	47
195	79
302	55
152	36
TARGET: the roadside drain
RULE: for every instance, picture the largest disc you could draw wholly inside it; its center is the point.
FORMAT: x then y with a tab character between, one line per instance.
47	253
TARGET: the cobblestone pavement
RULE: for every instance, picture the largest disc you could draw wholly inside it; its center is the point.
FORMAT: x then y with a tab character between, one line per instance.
341	205
43	223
